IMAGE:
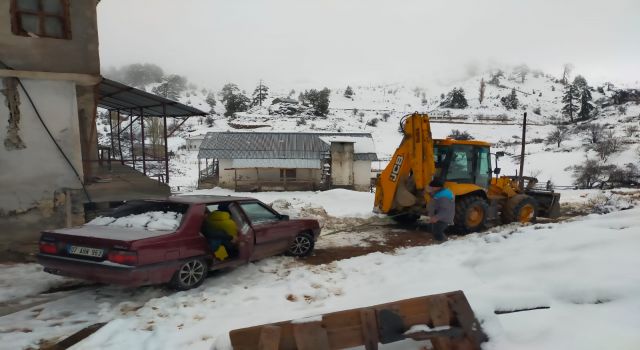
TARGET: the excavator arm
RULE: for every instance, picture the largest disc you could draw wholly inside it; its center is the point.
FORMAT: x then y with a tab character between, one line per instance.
402	183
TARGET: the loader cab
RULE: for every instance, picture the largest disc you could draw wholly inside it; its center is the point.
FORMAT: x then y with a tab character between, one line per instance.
465	162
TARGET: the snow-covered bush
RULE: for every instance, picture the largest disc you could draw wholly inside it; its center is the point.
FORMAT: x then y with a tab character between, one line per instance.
607	203
460	135
373	122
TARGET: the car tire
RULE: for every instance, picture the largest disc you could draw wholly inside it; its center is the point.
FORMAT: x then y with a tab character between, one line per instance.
302	245
190	274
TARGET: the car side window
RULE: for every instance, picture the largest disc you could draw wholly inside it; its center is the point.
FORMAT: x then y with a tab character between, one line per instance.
257	213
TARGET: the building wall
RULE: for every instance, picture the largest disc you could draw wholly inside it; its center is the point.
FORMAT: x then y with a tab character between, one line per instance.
269	178
342	164
194	143
226	179
362	175
36	181
77	55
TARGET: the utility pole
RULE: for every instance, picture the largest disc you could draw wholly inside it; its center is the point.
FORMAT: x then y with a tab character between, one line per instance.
524	140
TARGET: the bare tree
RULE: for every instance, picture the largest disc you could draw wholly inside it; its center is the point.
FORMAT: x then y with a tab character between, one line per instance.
631	130
589	173
566	72
521	72
558	135
593	132
482	88
154	130
609	145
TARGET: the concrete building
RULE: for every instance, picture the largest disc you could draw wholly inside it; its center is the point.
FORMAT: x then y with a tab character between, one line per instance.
263	161
193	142
49	67
50	88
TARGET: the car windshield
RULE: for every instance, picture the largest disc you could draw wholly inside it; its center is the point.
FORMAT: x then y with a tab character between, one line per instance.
148	215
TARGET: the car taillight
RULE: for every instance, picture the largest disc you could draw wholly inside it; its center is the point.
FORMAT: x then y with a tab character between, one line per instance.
48	247
123	257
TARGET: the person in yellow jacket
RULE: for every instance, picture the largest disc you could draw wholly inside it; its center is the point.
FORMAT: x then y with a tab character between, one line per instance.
222	233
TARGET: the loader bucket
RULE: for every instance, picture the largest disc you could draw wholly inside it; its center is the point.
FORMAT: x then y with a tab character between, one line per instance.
548	203
445	319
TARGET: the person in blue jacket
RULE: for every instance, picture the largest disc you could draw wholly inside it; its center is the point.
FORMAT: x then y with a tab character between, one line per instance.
441	208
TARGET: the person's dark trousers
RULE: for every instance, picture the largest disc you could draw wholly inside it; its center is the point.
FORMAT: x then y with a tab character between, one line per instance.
437	229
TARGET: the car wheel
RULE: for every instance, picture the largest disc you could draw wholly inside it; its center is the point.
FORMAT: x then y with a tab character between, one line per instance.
190	274
302	245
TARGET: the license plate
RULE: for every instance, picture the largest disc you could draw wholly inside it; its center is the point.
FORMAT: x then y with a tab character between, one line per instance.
92	252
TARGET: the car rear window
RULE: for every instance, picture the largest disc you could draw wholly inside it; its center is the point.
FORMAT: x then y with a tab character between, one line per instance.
148	215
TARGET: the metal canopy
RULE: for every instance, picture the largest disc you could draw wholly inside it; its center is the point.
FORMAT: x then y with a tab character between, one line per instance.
131	101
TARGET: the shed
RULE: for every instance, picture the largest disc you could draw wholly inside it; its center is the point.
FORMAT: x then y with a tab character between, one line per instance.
278	161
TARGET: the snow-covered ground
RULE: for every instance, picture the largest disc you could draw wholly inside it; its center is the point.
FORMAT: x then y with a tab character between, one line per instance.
584	269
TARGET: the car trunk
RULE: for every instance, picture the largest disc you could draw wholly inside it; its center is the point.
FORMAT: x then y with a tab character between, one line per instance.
94	243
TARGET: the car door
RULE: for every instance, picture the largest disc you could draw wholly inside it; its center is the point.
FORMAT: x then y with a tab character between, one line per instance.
246	235
245	240
270	236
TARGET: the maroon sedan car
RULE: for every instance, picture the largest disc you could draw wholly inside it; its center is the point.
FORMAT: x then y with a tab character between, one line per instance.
160	241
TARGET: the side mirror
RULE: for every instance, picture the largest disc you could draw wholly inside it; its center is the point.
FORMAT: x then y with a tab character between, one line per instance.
284	217
496	171
500	154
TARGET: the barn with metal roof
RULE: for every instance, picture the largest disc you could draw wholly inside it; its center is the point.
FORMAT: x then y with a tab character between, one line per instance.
286	160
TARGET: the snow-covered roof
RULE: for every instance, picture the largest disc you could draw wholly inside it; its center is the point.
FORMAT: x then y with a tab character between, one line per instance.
282	145
276	163
361	145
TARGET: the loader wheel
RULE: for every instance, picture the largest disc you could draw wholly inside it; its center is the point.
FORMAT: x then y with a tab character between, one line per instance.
471	214
405	219
520	208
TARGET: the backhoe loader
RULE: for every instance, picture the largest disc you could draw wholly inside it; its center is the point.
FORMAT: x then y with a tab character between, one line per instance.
465	167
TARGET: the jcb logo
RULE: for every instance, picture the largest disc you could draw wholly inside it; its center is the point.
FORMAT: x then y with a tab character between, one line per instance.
396	168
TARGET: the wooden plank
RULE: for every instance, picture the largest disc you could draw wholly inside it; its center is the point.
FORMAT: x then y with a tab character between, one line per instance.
269	338
310	336
438	307
474	336
351	328
369	324
76	337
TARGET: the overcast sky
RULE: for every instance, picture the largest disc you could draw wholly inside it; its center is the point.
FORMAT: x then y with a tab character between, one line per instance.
339	42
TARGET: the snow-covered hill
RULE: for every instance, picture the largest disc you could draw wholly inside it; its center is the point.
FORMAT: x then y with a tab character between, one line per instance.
379	108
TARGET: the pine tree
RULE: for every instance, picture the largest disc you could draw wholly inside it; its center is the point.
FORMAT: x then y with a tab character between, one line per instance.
348	93
495	77
580	82
319	100
234	100
586	108
510	101
260	94
455	99
570	98
482	88
171	87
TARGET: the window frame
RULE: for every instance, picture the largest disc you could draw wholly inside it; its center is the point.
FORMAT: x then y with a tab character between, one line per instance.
278	216
285	174
16	24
